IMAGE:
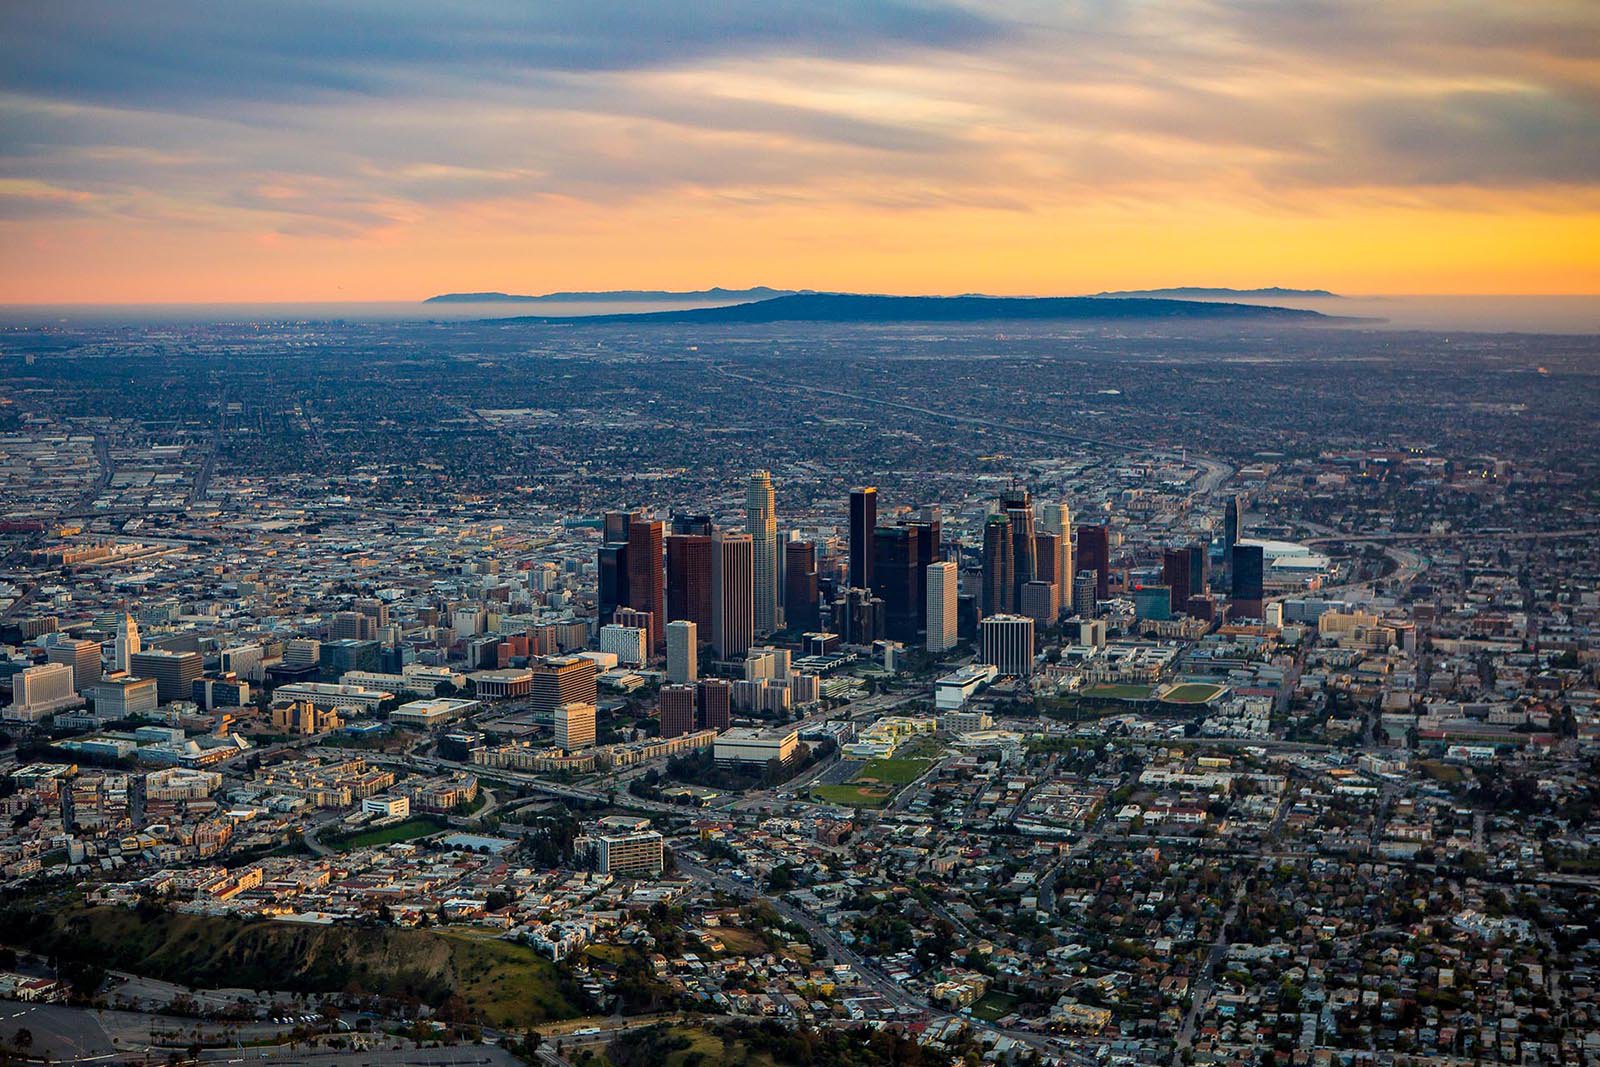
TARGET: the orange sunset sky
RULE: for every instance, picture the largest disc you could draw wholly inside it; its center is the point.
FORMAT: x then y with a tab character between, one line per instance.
364	151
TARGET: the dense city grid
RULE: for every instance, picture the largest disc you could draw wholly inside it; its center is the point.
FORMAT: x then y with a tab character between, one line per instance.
1203	694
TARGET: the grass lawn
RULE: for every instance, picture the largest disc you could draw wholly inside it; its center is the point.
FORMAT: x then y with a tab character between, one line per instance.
853	796
1448	773
873	785
1118	692
408	830
891	771
1192	693
994	1004
510	983
922	746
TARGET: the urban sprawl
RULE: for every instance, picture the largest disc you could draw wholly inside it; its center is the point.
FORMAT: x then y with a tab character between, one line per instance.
600	695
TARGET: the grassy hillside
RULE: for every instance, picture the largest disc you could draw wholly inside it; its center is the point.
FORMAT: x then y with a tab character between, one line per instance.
504	983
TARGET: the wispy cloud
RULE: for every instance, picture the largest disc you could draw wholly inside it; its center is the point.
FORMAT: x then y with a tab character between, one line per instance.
365	120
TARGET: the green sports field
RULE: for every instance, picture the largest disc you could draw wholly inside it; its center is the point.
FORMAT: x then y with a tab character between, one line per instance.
893	771
874	783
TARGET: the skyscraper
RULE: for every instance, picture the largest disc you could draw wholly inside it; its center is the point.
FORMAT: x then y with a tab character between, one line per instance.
683	651
647	589
1084	601
929	527
858	616
999	585
174	672
761	518
800	586
1094	554
677	710
1008	644
615	528
1017	503
1040	602
896	578
1057	519
692	524
689	578
1199	569
1175	564
733	593
943	582
1248	567
716	704
559	680
1232	523
1048	552
863	520
612	585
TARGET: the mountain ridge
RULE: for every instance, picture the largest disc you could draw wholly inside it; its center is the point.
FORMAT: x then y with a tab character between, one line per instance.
849	307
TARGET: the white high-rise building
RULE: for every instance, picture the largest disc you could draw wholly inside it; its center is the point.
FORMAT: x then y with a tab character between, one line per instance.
628	643
761	517
944	580
39	692
574	726
1057	519
125	643
683	652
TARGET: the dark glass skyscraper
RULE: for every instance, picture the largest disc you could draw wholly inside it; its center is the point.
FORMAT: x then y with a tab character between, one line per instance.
895	576
1232	523
1175	565
616	526
1017	503
1094	554
692	524
999	575
613	583
863	520
800	586
1248	568
929	527
1199	568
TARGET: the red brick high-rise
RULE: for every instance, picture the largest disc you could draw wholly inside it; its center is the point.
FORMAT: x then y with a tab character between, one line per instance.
689	580
647	590
716	704
677	710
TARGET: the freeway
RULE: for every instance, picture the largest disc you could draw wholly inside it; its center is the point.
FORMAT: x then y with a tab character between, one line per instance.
1455	535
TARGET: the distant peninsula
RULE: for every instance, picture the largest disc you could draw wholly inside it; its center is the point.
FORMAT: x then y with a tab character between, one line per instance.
1197	292
850	307
618	296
